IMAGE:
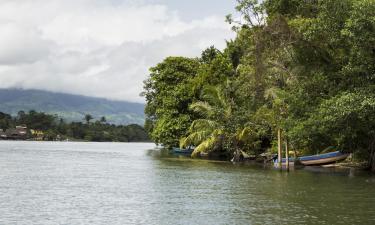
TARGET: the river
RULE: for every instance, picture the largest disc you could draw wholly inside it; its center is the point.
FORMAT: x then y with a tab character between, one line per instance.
129	183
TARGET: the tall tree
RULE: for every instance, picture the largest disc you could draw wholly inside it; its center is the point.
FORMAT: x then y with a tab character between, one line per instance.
88	118
168	94
103	119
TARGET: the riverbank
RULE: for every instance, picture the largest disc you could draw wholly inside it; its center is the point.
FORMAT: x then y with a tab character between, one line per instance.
72	141
348	164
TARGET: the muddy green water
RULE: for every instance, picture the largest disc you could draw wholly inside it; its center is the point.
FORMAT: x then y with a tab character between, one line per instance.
109	183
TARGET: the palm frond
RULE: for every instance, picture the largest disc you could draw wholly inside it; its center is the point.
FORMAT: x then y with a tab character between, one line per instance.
203	124
228	112
214	96
205	146
271	93
194	138
202	108
245	134
218	132
223	99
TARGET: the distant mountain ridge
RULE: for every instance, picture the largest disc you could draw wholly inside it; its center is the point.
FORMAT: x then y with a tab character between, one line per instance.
71	107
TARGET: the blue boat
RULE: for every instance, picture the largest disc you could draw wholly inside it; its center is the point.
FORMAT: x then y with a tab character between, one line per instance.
182	151
315	160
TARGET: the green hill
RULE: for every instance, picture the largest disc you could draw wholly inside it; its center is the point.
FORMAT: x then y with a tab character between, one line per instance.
70	107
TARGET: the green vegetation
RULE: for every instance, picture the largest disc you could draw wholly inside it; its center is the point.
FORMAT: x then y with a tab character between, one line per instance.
50	127
304	68
70	107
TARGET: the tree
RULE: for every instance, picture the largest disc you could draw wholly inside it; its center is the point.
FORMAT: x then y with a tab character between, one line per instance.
88	118
168	94
207	132
351	128
253	13
295	66
5	121
209	54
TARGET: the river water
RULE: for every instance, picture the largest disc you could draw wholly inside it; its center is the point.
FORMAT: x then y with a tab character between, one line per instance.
121	183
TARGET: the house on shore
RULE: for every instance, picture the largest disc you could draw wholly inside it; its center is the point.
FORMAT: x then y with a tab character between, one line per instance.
37	135
2	134
18	133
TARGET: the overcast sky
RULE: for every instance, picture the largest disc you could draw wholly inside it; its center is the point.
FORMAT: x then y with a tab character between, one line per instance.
102	48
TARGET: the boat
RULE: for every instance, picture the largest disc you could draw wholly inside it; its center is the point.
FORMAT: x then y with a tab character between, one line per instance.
182	151
323	159
316	160
283	161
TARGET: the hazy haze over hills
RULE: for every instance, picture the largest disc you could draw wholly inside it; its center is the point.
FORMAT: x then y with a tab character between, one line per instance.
70	107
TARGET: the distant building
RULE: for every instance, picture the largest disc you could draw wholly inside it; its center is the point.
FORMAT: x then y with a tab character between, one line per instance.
2	134
20	132
22	126
37	135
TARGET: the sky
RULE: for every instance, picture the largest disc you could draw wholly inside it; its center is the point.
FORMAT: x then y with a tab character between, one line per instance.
102	48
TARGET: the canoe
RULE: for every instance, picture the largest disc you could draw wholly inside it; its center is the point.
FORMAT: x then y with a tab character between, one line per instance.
316	160
323	159
182	151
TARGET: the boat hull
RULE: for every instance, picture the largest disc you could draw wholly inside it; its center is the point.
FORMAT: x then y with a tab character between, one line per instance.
316	160
324	161
179	151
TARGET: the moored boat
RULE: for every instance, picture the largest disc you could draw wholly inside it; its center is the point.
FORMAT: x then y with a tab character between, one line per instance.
323	159
182	151
315	160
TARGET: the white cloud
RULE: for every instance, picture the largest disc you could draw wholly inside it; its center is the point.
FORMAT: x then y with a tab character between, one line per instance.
93	47
20	44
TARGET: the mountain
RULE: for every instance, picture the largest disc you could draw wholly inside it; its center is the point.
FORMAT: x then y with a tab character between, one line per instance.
70	107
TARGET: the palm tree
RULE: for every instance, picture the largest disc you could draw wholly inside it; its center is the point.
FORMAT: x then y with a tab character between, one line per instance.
216	129
210	132
87	118
103	119
274	114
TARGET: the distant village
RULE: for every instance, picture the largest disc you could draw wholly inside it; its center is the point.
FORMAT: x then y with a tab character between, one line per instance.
22	133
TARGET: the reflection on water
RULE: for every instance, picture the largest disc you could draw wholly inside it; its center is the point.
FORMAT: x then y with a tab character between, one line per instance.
113	183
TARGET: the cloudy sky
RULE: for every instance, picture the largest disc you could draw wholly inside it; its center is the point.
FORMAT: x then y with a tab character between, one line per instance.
102	48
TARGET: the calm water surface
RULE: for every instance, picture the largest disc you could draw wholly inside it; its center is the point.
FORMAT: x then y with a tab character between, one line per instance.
109	183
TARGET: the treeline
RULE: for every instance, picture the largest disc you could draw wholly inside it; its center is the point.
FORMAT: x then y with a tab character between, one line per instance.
51	127
305	69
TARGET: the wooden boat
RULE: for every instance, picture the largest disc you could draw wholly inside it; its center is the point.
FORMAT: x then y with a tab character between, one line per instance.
182	151
315	160
323	159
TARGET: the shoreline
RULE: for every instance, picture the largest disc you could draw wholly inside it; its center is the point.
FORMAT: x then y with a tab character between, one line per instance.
76	141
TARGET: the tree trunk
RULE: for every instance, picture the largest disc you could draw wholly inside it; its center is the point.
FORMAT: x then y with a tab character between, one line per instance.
279	151
371	161
287	154
237	155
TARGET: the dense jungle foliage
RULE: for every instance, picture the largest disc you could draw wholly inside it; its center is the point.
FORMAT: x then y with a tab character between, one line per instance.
306	68
51	127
